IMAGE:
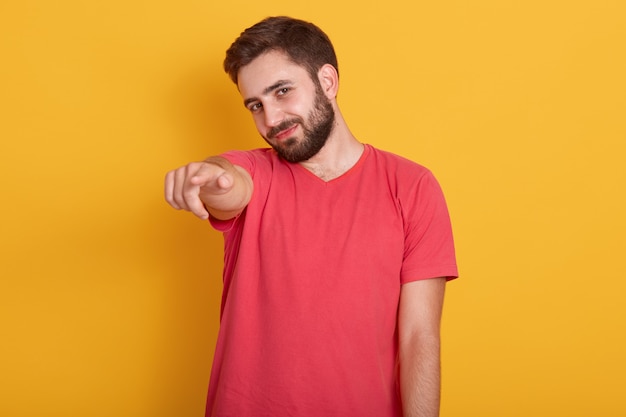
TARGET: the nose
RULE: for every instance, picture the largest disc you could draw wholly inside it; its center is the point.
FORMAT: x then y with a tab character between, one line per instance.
273	115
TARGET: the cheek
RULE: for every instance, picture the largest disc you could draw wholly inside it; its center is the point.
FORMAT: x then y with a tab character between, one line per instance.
259	123
295	106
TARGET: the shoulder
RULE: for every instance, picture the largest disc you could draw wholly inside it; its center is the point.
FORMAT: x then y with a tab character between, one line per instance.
411	184
254	160
248	155
396	166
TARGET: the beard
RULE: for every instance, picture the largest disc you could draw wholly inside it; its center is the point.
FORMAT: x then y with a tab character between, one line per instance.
321	120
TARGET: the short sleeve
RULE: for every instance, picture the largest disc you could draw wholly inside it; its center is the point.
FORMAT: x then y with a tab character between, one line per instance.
429	245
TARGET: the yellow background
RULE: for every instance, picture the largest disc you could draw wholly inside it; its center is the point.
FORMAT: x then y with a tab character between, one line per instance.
109	299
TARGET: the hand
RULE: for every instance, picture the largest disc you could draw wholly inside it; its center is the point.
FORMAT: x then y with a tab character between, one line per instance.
193	186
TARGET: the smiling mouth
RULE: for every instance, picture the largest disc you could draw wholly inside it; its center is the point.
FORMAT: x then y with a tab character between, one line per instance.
284	130
283	134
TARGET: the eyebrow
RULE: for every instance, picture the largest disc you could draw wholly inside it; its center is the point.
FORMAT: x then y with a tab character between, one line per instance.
278	84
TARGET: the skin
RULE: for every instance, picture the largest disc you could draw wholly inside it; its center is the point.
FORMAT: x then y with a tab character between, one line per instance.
316	129
214	185
419	318
278	92
271	106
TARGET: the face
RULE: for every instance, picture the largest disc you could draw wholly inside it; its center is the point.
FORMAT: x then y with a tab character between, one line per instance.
290	110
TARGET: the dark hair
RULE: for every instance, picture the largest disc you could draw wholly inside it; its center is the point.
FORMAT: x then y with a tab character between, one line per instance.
304	43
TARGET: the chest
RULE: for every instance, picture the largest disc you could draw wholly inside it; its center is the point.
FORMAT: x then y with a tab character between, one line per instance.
331	223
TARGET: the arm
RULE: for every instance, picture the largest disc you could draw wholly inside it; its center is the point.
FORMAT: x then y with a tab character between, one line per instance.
419	319
212	186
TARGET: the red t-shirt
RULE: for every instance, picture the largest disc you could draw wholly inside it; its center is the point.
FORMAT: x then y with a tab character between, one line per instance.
312	279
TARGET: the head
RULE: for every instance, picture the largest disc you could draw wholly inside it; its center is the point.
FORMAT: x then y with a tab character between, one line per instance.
302	42
281	67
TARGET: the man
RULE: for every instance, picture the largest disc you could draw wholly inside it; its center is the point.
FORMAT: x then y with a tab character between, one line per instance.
336	253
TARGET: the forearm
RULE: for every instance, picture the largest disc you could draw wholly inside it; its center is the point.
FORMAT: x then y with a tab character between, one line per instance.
420	376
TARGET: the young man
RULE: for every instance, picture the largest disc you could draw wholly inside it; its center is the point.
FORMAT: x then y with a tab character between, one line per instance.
336	253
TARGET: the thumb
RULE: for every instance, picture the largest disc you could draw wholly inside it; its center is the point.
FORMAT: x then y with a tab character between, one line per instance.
224	182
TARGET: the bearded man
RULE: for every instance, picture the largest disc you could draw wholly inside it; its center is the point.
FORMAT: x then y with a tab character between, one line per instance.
336	253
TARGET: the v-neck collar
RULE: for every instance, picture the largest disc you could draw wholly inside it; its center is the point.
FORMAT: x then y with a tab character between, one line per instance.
353	169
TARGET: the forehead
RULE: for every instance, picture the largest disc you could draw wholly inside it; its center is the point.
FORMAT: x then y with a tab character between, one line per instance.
265	70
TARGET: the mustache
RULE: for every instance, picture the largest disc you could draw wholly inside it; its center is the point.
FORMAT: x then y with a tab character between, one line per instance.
284	125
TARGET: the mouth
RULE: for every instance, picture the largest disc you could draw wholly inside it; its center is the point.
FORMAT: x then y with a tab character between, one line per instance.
286	133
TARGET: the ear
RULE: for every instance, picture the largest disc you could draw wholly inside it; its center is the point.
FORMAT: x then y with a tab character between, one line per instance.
329	80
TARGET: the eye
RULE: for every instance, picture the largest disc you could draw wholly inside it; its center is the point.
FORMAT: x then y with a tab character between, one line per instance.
255	107
282	91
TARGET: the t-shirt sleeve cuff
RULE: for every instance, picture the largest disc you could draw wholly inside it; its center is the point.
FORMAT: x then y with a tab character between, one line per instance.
222	225
449	272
